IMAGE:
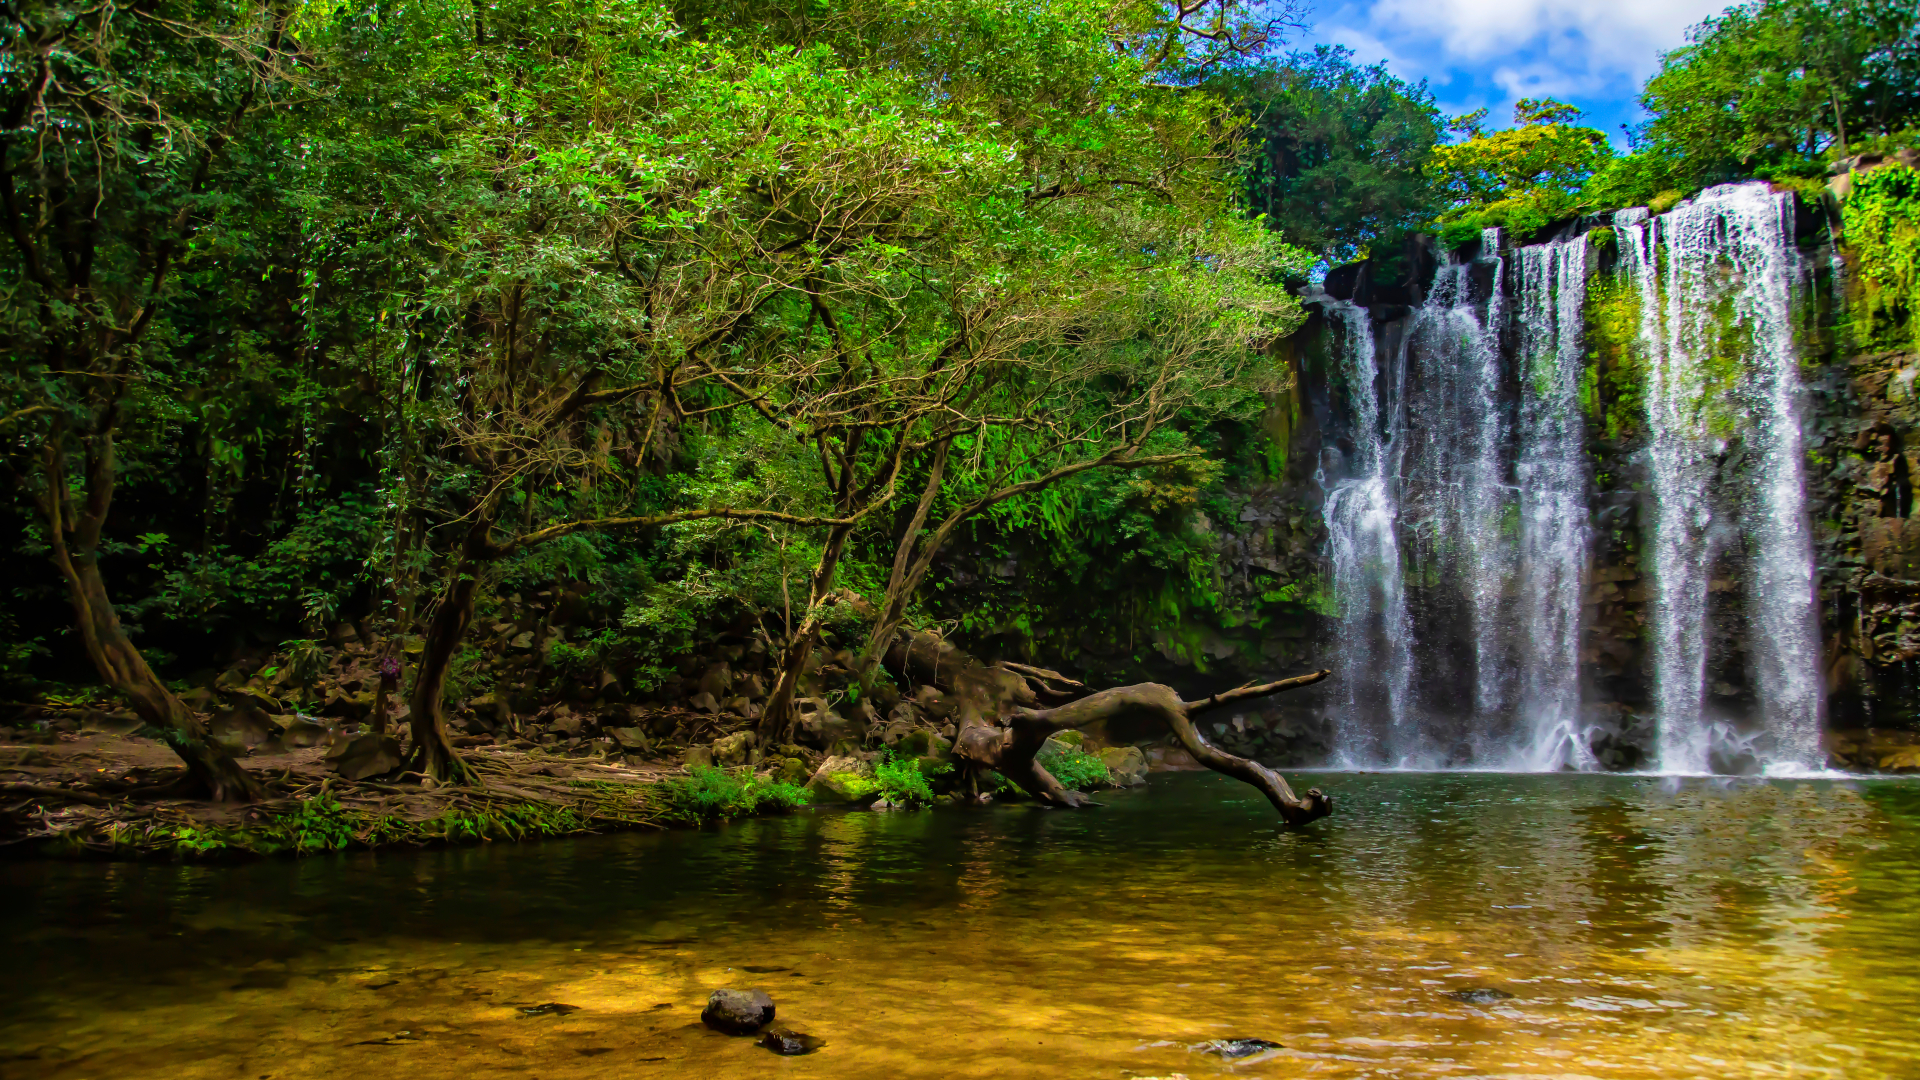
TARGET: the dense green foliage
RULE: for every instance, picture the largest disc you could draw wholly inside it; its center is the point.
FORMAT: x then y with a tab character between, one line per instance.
900	780
631	294
1523	177
1882	216
1342	151
714	794
1773	87
404	314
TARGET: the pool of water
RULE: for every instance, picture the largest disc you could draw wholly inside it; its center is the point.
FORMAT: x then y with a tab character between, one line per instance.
1643	928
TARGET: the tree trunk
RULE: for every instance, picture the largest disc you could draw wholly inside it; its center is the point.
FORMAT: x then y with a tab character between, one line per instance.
777	723
902	581
433	754
211	769
999	727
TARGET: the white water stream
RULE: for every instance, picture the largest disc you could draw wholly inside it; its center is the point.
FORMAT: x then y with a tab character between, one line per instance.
1716	329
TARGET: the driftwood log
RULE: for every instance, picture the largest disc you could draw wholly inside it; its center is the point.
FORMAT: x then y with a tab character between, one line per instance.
1006	712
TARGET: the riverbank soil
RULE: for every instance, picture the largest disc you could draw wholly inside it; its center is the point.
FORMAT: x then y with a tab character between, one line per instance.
100	792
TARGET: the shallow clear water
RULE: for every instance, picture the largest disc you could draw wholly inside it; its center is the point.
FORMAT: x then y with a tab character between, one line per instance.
1645	928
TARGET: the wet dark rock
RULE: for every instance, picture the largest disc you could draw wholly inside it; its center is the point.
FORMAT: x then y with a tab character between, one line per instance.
790	1043
1479	995
738	1012
1235	1049
551	1008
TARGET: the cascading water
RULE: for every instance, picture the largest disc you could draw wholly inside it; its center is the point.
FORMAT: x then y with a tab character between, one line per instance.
1461	467
1373	645
1554	533
1717	331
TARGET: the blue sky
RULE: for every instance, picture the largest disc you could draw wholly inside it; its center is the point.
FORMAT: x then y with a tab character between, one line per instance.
1476	53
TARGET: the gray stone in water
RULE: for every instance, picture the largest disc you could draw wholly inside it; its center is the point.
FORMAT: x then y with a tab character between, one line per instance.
1479	995
551	1008
738	1012
790	1043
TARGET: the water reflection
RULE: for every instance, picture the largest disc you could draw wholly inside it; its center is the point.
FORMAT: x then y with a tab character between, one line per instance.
1642	927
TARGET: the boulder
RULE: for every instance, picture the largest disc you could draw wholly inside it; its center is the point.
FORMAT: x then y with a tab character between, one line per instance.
241	729
933	702
734	749
1170	759
114	723
567	723
1127	765
199	699
491	713
368	755
608	685
820	725
256	694
830	782
792	770
703	702
751	688
699	757
631	739
717	681
302	732
738	1012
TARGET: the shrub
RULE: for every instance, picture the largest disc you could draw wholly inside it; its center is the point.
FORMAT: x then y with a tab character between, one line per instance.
710	793
1075	769
899	780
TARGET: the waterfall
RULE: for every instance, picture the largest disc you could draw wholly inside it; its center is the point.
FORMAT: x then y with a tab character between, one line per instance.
1728	282
1554	532
1461	467
1487	589
1373	648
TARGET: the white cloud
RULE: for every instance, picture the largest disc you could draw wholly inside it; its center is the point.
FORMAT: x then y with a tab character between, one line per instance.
1493	52
1624	35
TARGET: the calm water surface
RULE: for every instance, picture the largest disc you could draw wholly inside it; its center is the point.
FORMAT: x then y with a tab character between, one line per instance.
1644	928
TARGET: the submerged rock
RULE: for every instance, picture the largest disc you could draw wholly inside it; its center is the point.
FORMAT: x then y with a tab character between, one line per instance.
1235	1049
790	1043
1479	995
738	1012
551	1008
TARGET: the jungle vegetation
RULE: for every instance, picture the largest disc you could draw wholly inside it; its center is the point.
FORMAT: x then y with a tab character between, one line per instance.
321	312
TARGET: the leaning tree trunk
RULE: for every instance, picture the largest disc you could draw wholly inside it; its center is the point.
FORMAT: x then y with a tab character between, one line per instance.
211	769
777	722
1001	728
433	754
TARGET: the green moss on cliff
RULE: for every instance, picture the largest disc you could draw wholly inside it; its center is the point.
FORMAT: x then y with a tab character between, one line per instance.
1613	387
